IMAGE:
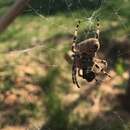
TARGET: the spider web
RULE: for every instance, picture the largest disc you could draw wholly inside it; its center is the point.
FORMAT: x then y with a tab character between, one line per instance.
87	16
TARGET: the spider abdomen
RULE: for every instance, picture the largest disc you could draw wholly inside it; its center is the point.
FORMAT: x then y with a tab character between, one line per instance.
89	76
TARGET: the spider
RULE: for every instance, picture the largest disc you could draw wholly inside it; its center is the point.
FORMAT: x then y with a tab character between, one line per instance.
85	62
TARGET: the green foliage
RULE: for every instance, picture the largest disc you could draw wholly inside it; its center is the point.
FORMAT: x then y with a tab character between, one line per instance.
8	85
120	67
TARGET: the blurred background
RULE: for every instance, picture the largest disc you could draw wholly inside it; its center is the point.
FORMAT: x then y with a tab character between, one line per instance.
36	89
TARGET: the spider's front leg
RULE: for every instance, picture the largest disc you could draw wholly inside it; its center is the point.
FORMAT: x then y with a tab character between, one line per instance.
104	72
74	72
97	29
74	44
75	56
101	61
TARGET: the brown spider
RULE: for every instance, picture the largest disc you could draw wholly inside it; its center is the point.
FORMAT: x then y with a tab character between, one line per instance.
84	58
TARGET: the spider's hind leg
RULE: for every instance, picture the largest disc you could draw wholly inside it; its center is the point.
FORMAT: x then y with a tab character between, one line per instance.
74	78
74	73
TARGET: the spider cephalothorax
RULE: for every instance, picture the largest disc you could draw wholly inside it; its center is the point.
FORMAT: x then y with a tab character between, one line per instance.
84	58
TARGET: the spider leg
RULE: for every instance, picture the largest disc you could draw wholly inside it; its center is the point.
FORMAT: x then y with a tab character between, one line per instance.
74	72
76	82
74	78
104	72
75	37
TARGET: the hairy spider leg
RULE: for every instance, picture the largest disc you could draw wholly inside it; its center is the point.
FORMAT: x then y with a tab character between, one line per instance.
98	29
104	72
74	72
75	37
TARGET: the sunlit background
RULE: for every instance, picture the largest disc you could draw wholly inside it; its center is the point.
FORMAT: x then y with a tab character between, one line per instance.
36	88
